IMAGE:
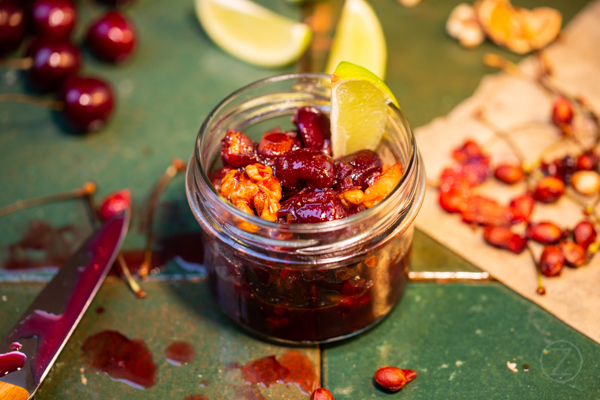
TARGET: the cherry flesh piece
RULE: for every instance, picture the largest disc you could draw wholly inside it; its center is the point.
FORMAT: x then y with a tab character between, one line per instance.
88	102
574	253
502	237
393	379
562	112
544	232
584	234
115	203
549	189
308	166
12	26
238	150
321	394
361	166
475	171
521	208
53	62
53	19
311	207
509	173
274	144
484	211
587	161
454	196
552	261
562	168
314	127
112	38
468	151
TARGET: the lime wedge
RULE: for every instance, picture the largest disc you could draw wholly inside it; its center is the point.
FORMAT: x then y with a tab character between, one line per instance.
252	33
359	109
359	39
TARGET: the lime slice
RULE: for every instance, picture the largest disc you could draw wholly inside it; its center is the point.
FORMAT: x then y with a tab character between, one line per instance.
359	109
252	33
359	39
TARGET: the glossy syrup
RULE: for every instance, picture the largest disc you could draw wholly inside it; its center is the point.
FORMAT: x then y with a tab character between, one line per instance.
180	353
123	359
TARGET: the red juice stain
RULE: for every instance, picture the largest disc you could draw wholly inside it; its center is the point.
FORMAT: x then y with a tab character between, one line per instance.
265	371
293	368
180	353
42	245
248	393
195	397
100	310
11	362
302	372
123	359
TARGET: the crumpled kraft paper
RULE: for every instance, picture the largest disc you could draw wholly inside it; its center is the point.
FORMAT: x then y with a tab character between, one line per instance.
517	104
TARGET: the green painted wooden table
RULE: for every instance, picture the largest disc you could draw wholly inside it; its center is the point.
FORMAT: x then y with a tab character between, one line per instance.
459	337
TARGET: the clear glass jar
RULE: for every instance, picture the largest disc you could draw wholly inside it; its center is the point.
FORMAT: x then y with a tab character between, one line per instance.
303	282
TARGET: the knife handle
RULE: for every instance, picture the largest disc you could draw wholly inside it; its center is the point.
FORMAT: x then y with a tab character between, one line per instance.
12	392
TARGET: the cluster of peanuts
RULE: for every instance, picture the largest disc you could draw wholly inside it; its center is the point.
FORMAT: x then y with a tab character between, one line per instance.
253	190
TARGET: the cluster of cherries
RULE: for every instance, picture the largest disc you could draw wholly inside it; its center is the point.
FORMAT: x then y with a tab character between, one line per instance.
311	185
571	247
53	61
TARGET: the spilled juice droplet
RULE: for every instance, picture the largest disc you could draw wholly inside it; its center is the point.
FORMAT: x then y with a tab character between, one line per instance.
123	359
11	362
16	346
180	353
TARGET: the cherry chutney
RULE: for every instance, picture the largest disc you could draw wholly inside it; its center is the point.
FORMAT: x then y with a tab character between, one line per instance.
316	266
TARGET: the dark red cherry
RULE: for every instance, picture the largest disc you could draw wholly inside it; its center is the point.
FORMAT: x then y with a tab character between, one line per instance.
88	102
365	165
53	62
552	261
308	166
112	37
311	207
238	150
53	19
314	127
12	26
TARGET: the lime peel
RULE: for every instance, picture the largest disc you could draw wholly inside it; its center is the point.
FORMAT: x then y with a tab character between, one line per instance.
253	33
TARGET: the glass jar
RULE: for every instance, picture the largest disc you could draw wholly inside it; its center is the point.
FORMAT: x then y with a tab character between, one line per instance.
308	283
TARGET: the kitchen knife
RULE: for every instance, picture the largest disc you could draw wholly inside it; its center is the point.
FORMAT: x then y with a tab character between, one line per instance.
43	330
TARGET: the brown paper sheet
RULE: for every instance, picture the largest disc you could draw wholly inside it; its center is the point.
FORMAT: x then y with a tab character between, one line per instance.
517	101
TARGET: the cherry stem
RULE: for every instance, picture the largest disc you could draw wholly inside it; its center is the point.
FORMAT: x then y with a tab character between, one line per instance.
133	285
502	134
31	100
147	222
17	63
86	190
540	289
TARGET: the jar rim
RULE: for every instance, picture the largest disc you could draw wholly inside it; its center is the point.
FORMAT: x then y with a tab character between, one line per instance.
308	227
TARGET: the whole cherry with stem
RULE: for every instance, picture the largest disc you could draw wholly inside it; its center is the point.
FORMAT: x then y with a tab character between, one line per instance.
86	103
112	37
53	19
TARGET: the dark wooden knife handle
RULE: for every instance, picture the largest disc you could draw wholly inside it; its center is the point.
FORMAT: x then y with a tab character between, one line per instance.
12	392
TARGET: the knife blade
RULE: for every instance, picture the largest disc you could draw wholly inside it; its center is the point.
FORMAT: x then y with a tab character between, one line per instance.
44	328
